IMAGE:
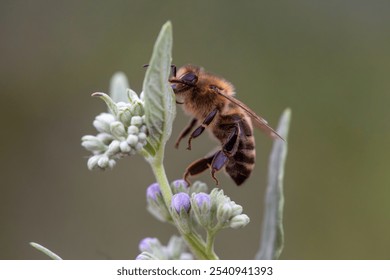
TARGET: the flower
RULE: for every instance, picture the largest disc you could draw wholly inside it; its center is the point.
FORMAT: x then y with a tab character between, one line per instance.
227	212
156	204
180	183
180	211
239	221
201	205
121	132
224	213
153	191
148	244
152	249
202	200
180	202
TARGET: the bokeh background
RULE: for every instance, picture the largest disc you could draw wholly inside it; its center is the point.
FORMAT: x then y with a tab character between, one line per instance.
329	61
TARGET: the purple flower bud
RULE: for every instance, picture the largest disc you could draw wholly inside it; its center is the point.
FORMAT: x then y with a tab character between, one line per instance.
177	183
146	244
142	257
145	256
202	199
181	201
153	191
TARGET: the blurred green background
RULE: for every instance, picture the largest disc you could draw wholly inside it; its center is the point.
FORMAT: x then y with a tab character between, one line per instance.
329	61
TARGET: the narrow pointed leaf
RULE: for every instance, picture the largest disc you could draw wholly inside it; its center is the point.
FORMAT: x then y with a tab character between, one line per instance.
272	239
46	251
159	98
109	102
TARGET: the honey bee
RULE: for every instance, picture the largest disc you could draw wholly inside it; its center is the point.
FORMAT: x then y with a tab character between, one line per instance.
210	100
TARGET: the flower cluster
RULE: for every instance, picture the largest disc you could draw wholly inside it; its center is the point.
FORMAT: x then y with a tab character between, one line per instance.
193	207
155	201
152	249
121	132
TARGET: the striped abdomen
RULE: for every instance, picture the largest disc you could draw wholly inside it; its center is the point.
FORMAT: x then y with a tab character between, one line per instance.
241	164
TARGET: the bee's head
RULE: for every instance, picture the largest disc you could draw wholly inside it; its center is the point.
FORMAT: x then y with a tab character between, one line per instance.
185	78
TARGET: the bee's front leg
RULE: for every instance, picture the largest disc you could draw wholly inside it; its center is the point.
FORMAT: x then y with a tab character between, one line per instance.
199	130
185	131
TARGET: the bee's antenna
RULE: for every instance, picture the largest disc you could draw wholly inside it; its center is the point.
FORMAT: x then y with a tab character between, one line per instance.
173	66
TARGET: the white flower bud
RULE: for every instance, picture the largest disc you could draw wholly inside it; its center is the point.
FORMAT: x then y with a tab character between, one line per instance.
137	109
132	140
239	221
137	121
103	161
88	138
141	137
144	129
102	122
125	116
237	209
132	129
124	146
92	161
139	147
111	163
118	130
224	212
92	143
106	138
113	148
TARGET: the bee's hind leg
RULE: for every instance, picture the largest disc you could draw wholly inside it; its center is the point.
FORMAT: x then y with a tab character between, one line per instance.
228	150
216	161
197	167
219	161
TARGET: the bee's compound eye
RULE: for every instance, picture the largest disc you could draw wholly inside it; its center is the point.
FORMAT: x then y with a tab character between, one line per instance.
189	77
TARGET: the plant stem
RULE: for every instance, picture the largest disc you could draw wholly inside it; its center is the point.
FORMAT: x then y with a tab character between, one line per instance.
162	180
210	242
198	247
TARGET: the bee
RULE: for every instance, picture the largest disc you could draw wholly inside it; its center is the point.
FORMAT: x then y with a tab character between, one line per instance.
210	100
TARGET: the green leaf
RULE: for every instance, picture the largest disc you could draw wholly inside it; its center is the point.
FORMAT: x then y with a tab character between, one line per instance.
46	251
110	103
160	107
272	241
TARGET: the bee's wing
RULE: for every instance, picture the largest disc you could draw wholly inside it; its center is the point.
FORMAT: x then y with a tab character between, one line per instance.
259	122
